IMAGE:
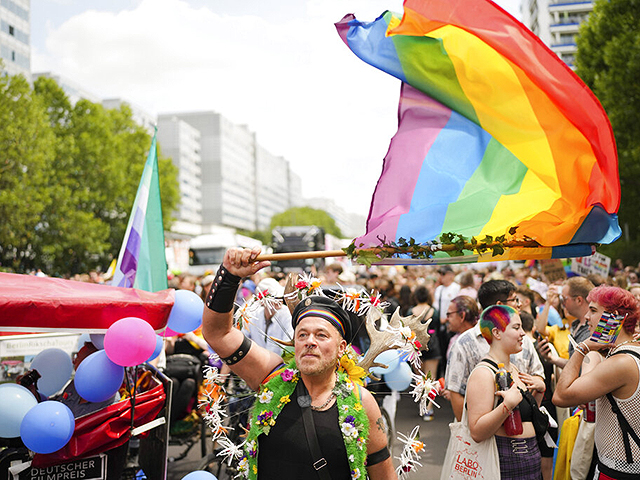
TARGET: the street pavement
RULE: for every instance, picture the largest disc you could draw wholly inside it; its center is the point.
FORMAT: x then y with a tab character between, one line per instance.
434	434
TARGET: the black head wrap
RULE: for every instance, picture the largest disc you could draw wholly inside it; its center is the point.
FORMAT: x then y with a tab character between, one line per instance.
325	308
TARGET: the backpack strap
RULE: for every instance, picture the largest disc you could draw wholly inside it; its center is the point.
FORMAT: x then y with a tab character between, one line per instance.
490	365
490	362
627	431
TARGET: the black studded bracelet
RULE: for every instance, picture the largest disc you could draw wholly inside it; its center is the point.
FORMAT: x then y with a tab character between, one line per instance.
240	353
223	291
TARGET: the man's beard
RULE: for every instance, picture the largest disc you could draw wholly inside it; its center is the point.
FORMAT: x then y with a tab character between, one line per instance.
318	366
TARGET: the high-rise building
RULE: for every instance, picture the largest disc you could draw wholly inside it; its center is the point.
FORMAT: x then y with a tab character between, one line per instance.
180	141
15	31
228	153
272	187
243	184
556	22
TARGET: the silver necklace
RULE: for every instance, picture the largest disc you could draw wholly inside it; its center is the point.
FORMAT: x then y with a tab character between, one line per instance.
321	407
331	397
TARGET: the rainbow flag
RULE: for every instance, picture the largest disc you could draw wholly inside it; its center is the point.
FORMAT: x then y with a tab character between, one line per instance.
495	132
142	263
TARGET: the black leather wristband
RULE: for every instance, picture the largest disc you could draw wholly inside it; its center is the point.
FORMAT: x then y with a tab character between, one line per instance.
378	457
240	353
223	291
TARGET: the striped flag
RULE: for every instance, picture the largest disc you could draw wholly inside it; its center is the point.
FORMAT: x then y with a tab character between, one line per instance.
141	262
495	132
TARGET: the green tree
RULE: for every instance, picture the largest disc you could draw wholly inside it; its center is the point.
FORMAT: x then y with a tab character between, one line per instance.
27	147
99	158
608	60
263	235
306	216
69	176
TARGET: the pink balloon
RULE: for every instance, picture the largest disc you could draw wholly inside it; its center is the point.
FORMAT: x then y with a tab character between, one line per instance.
129	341
169	333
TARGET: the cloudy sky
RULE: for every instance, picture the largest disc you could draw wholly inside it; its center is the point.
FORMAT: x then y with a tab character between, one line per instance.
276	65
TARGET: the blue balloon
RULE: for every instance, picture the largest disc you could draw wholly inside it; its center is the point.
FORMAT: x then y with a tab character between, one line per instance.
158	349
200	475
400	378
15	402
390	358
47	427
55	367
98	340
98	378
186	314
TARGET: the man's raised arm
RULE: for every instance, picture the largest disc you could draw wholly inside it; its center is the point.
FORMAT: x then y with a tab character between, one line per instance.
246	359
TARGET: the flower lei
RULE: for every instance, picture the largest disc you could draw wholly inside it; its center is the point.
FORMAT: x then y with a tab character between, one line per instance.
275	393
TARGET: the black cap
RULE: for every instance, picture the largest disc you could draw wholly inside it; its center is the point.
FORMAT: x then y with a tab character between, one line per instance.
325	308
445	269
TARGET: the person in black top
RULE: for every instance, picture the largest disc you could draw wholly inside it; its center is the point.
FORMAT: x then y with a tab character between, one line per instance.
321	332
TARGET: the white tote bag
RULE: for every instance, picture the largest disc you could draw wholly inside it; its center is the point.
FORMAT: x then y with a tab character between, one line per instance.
466	459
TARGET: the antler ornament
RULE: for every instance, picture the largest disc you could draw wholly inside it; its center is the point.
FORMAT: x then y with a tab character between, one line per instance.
404	333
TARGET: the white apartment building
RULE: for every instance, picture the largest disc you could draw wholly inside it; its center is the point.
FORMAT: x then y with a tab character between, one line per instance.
15	43
181	142
242	184
556	22
272	186
227	153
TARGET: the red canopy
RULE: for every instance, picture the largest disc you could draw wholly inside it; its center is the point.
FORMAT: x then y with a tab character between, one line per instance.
44	304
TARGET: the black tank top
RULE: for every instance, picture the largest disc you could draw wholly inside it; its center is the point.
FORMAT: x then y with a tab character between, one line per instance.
284	453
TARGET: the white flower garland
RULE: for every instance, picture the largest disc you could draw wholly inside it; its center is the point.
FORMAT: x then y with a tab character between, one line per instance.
424	391
409	458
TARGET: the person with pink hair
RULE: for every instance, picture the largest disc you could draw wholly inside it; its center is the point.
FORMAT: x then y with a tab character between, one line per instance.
613	384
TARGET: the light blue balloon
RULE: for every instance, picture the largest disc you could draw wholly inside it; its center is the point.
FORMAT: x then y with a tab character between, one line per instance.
98	378
98	340
47	427
200	475
186	314
55	367
400	378
390	358
82	339
158	349
15	402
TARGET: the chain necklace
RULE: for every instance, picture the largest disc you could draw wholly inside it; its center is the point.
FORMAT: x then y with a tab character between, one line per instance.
612	351
331	397
321	407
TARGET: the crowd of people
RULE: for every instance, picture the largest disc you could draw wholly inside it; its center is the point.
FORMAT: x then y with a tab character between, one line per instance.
511	315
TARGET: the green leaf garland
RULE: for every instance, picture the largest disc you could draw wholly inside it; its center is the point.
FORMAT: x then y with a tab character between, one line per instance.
276	392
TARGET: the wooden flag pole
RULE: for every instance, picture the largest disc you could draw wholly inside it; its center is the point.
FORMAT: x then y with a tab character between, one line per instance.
300	255
392	250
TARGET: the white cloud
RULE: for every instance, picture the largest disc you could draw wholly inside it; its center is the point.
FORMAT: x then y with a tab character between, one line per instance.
290	78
